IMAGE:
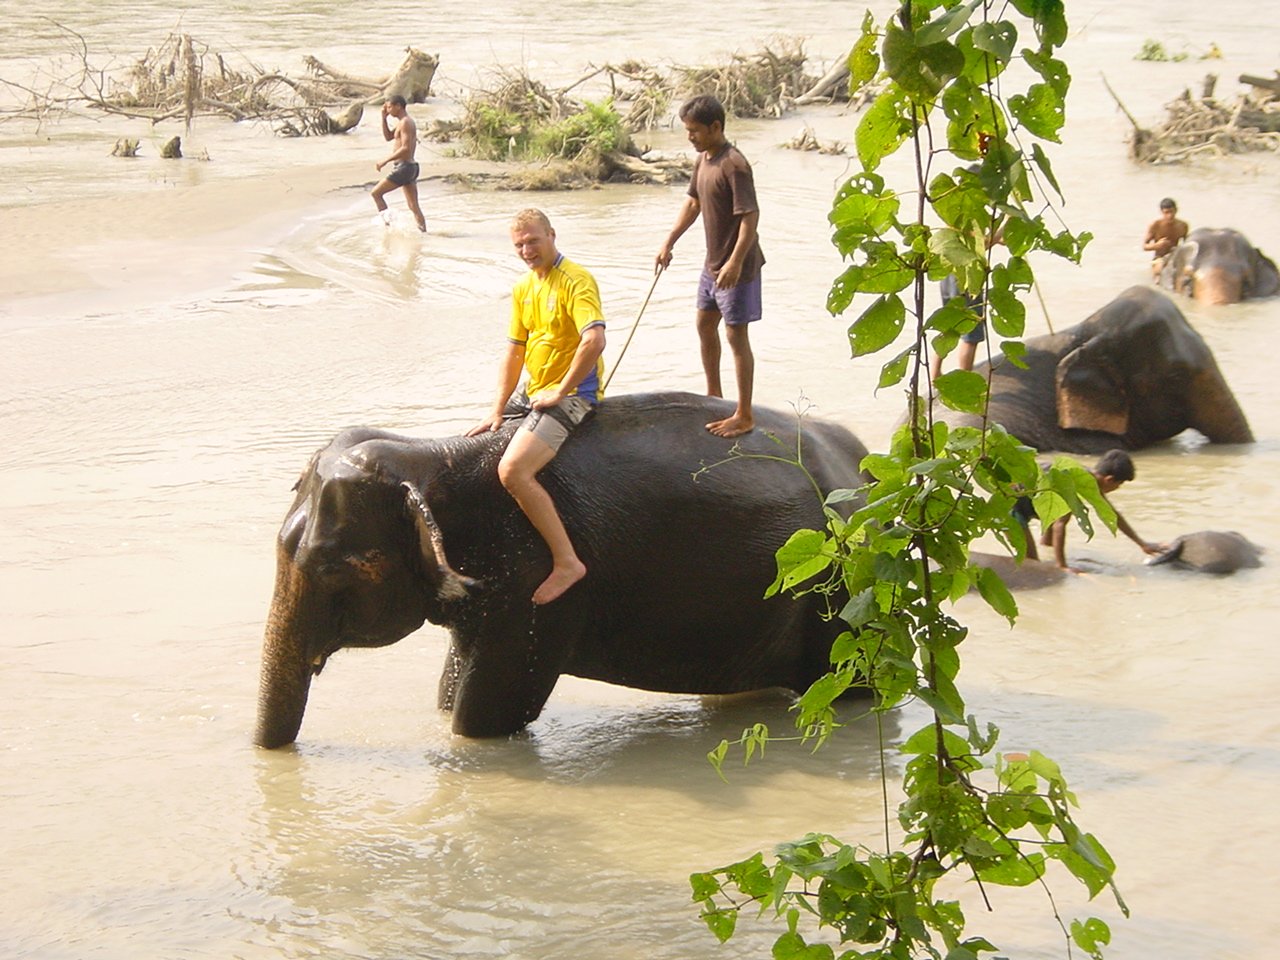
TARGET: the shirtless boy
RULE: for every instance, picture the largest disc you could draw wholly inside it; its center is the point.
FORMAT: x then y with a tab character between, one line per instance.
1114	468
405	172
1164	234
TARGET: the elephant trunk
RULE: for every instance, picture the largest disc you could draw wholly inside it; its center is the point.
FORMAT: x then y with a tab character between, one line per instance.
1217	286
285	678
1215	412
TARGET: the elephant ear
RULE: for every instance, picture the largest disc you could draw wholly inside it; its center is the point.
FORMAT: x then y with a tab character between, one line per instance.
1091	394
1184	267
1266	276
452	585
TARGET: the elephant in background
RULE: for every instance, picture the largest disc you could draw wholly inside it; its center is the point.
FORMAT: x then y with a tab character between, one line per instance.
1211	551
1133	374
1219	266
388	531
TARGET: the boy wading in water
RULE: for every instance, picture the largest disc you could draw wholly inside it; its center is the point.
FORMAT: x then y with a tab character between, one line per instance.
1114	468
1164	234
723	192
405	172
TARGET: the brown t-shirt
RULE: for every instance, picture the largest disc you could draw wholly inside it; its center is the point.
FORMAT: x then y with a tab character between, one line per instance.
725	190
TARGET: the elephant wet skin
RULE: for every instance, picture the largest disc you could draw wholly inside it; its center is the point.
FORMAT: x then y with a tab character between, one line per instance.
1219	266
1211	551
388	531
1132	375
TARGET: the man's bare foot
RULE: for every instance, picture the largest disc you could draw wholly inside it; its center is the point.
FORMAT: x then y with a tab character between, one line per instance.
561	579
734	426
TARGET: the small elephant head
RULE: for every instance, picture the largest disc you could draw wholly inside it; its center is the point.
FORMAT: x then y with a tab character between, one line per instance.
1218	266
359	563
1137	370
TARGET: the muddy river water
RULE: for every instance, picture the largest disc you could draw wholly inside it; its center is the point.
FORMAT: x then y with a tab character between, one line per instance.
178	339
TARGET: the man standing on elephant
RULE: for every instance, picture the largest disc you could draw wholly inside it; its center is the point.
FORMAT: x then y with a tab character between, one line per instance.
1164	234
722	190
556	334
405	172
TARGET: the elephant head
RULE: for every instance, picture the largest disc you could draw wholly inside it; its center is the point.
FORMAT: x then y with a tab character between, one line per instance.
1138	371
1218	266
359	563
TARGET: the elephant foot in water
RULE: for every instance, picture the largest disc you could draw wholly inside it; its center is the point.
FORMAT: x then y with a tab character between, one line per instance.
1211	551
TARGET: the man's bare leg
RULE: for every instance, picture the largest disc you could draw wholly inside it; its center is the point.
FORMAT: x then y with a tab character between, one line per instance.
709	342
517	470
744	366
965	353
384	187
411	198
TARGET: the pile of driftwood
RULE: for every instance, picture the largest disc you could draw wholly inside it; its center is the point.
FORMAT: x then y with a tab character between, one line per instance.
576	142
1203	125
183	78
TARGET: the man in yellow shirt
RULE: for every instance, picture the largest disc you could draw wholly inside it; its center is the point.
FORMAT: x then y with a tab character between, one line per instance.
557	336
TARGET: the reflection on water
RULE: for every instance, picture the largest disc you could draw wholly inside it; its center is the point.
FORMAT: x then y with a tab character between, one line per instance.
154	433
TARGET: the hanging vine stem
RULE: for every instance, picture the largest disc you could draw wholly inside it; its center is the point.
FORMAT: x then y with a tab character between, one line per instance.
889	567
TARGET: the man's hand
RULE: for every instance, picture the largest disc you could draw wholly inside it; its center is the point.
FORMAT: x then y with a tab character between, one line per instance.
728	275
1153	548
545	399
487	425
663	259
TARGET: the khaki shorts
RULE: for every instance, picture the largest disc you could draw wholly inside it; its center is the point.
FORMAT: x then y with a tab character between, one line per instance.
551	426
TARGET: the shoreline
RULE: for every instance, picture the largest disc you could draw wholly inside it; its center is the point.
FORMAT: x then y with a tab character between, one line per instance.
174	243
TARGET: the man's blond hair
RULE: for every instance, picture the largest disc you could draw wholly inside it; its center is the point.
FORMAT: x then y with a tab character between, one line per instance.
528	217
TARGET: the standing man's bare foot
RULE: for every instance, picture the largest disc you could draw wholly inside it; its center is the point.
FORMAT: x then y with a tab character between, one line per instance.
734	426
560	580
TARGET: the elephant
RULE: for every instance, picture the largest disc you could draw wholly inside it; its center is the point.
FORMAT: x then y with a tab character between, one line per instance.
1211	551
1026	574
388	531
1219	266
1131	375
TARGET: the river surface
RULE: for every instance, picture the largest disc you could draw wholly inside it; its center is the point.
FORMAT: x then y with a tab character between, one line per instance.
179	337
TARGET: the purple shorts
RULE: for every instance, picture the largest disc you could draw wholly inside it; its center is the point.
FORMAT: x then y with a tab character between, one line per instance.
738	304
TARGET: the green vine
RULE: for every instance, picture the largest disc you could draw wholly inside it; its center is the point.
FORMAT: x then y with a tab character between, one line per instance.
895	551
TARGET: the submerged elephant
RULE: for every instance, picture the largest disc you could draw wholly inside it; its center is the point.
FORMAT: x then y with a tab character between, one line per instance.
1219	266
388	531
1211	551
1133	374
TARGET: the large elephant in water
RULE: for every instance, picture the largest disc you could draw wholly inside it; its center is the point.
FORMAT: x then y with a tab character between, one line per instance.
1133	374
388	531
1219	266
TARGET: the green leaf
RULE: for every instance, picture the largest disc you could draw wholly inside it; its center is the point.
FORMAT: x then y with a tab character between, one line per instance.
1091	935
962	390
921	70
996	594
883	128
946	25
878	326
1042	110
997	39
1041	160
1016	871
864	62
721	922
893	371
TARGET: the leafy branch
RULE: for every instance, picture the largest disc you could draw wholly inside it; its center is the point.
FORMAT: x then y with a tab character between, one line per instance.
888	566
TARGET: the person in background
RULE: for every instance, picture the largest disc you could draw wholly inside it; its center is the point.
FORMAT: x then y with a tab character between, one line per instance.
405	172
1164	234
1113	469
